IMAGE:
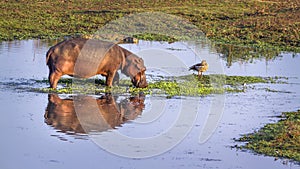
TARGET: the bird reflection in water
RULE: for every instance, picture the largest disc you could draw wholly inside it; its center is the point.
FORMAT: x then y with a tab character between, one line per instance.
84	114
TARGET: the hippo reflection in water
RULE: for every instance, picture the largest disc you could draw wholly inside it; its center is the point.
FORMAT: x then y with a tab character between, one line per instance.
84	114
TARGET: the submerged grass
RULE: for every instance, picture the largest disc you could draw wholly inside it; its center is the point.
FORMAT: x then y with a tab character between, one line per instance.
256	23
281	139
188	85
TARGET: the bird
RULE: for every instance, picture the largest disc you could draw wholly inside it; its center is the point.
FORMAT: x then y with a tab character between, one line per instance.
200	67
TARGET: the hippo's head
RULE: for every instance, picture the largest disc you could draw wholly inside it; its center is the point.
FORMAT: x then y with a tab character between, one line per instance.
135	69
139	80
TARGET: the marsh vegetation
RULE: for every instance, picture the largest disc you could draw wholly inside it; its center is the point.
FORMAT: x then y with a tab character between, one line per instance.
263	24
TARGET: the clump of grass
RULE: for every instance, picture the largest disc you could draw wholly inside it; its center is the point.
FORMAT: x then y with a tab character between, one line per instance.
281	139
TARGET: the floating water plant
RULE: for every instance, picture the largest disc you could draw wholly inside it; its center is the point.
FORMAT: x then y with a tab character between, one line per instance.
188	85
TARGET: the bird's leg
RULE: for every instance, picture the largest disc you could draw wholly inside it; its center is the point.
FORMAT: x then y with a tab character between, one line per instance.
200	75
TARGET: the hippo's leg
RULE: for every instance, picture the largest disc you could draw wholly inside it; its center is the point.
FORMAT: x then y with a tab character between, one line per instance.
116	79
53	79
109	78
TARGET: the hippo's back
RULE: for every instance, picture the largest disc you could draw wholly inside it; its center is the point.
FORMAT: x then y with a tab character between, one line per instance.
71	48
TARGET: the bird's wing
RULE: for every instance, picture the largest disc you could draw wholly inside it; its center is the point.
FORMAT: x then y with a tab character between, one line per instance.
195	66
192	67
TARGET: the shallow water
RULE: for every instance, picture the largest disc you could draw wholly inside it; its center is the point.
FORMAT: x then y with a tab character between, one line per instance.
43	131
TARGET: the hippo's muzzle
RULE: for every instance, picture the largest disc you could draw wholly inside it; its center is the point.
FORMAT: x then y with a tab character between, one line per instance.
139	80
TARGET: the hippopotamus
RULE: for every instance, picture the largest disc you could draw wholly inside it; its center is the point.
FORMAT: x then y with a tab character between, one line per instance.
84	58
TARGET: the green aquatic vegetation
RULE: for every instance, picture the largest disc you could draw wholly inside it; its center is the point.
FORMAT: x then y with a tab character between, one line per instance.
220	79
240	80
281	139
68	81
174	88
188	85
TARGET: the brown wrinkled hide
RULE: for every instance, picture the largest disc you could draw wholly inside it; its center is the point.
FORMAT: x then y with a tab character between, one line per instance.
63	116
84	58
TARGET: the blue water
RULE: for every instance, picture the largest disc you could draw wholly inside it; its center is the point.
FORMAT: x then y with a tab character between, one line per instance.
169	133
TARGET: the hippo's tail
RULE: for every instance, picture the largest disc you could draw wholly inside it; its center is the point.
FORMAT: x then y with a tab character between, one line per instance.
48	55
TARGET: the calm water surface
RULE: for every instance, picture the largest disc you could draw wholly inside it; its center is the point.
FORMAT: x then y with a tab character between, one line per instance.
50	131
